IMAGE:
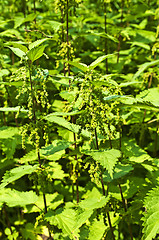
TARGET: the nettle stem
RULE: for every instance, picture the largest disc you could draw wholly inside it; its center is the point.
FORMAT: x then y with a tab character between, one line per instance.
63	37
125	209
76	159
106	40
67	39
103	189
35	122
121	20
34	10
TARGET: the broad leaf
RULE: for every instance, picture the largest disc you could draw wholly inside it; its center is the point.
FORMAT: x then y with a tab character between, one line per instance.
35	53
64	123
16	173
97	229
14	198
144	66
151	216
56	146
65	220
93	200
99	60
37	43
150	95
107	158
120	171
83	67
134	153
18	52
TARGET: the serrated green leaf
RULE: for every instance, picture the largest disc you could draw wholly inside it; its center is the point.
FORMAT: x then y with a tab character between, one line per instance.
150	95
15	198
120	171
82	218
17	51
93	200
17	45
105	35
37	43
29	157
53	201
65	220
16	173
107	158
97	229
143	67
20	20
65	113
4	72
132	151
151	217
8	132
13	109
98	61
55	25
70	126
83	67
56	146
35	53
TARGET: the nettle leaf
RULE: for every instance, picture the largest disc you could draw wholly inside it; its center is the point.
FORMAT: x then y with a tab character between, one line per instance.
18	45
65	220
53	201
16	173
120	171
83	67
151	216
4	72
65	113
55	25
13	109
134	152
93	200
98	61
56	171
8	132
37	43
143	67
81	218
29	157
18	21
150	95
105	35
64	123
56	146
15	198
17	51
97	229
35	53
107	158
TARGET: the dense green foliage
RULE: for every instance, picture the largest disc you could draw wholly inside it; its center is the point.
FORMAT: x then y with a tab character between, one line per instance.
79	102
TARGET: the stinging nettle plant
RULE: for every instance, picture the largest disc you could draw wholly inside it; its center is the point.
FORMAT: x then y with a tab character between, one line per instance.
79	139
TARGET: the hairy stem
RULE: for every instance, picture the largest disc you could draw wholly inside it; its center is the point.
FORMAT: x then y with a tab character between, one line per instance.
76	159
35	122
103	189
106	40
67	38
125	209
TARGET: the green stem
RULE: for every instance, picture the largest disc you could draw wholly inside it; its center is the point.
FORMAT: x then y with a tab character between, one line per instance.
76	159
106	40
125	209
67	38
35	122
103	189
